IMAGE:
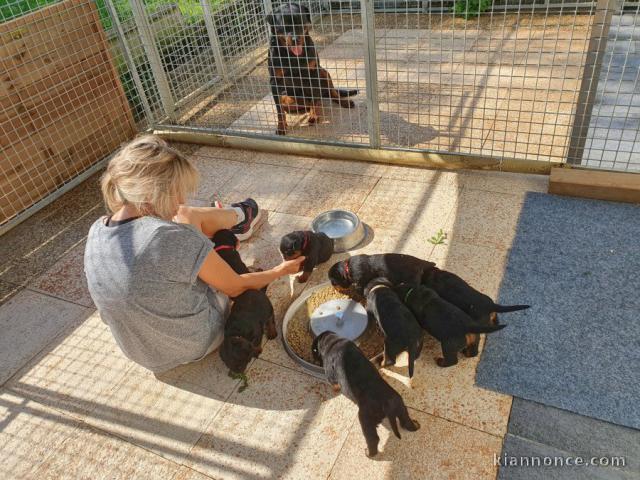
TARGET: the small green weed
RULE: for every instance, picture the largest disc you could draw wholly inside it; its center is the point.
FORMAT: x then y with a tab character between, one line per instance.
438	238
240	376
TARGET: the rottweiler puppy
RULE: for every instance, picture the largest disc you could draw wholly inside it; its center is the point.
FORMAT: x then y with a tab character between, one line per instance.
402	332
251	313
349	372
351	276
298	83
316	247
458	292
226	245
454	329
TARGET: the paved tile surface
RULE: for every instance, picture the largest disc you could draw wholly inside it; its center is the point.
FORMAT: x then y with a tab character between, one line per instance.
29	322
453	90
612	140
80	402
66	279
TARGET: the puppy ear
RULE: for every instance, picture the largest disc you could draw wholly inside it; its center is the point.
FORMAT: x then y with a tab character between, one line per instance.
306	14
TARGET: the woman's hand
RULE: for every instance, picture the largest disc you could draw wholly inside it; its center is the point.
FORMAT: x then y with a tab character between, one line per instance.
217	273
290	267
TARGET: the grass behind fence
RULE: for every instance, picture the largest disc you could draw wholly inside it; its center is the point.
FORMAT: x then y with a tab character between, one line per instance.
10	9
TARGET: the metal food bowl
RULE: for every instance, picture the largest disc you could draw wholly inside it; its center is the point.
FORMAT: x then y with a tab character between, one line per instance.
353	313
343	226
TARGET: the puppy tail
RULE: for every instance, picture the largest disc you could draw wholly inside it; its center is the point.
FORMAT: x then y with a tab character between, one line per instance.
510	308
412	360
347	93
484	328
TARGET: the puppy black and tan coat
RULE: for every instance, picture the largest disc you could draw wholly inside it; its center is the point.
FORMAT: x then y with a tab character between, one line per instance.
402	332
351	276
454	329
458	292
349	371
317	248
251	313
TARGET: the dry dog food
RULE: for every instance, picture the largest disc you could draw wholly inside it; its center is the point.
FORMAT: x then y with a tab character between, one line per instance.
299	334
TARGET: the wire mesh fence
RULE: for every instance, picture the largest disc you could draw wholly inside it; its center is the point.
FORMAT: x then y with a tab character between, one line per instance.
62	103
546	80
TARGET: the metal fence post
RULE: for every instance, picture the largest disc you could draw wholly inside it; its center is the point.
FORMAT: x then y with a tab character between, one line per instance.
590	78
213	38
371	72
150	48
130	61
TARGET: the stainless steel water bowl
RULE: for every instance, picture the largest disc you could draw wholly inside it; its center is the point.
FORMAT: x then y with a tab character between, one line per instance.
343	226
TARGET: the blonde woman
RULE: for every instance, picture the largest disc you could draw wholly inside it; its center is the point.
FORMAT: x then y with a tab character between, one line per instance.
150	265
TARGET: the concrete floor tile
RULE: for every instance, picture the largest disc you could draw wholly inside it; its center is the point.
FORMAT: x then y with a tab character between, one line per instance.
35	245
30	433
186	473
75	375
166	417
438	450
516	448
269	185
406	206
351	167
321	191
570	432
486	218
90	453
8	290
249	156
268	431
29	322
215	172
388	241
422	175
482	267
450	393
503	182
66	279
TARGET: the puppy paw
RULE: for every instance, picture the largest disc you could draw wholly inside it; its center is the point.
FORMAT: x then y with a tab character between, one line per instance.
416	426
470	353
369	453
272	333
442	362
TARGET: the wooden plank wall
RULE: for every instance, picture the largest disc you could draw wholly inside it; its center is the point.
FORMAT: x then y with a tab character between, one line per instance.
62	106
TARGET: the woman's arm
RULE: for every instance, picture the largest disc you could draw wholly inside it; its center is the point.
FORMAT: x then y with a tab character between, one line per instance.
217	273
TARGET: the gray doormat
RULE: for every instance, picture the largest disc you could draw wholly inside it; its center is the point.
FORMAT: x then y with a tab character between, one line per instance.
577	263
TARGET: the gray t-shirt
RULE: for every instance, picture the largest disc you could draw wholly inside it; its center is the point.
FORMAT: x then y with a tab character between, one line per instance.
143	277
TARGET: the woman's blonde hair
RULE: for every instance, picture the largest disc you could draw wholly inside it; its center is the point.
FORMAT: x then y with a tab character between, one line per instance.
150	175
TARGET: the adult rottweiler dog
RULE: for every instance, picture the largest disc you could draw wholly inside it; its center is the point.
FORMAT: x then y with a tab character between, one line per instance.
349	372
454	329
351	276
402	332
298	82
476	304
251	313
316	247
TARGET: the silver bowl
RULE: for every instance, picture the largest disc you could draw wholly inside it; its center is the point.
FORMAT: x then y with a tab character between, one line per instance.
343	226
